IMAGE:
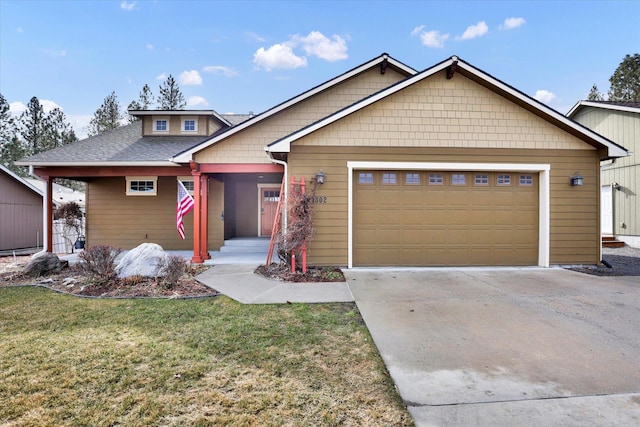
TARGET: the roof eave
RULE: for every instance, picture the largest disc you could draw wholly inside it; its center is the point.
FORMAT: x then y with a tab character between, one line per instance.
98	164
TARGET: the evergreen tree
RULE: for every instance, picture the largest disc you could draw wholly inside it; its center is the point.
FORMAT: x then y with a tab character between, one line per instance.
7	125
143	103
12	150
107	117
595	94
171	97
58	131
625	81
32	127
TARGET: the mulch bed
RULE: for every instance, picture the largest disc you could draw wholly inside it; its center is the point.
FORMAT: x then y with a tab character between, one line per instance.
313	275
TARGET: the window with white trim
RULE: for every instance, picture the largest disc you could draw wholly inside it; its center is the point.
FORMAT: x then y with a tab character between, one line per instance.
526	180
141	185
412	178
365	178
436	179
458	179
187	181
481	179
389	178
503	179
189	124
161	125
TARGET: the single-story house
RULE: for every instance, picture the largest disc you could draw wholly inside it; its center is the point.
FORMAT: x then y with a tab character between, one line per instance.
446	166
20	212
620	178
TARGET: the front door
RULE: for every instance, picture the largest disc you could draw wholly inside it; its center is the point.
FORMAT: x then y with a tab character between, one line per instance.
269	198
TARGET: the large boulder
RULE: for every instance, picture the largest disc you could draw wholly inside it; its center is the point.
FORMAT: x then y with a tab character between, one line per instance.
43	263
146	260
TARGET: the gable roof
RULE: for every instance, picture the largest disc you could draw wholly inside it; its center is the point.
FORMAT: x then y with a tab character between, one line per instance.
629	107
455	64
220	117
383	60
20	180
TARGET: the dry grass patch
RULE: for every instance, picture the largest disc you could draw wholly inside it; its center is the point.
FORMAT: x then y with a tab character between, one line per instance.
71	361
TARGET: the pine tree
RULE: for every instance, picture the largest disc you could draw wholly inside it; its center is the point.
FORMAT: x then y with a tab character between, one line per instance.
143	103
7	123
107	117
625	81
58	131
171	97
10	151
32	126
595	94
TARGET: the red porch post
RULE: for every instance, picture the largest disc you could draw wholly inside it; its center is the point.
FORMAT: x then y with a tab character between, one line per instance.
204	217
197	211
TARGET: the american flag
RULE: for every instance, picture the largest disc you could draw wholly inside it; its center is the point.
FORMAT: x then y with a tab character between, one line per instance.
185	204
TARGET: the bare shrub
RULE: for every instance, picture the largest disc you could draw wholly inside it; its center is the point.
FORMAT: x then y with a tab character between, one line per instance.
99	261
173	271
300	229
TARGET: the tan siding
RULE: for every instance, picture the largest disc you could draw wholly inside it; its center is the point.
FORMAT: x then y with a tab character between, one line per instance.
128	221
445	113
248	145
570	242
206	125
20	215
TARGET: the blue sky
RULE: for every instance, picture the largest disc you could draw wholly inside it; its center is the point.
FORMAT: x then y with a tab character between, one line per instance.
241	56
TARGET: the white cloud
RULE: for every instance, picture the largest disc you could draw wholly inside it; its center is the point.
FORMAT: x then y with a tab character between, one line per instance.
251	36
220	70
544	96
162	76
149	46
317	44
433	38
128	6
278	56
48	105
17	107
196	100
417	30
511	23
473	31
190	78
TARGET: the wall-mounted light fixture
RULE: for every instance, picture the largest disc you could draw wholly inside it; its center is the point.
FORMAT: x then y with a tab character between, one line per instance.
616	186
320	177
577	180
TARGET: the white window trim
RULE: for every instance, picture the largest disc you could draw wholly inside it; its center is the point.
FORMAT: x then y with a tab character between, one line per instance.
130	179
156	119
184	179
543	191
183	121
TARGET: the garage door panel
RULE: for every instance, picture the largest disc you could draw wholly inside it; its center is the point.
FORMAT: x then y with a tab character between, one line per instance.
416	225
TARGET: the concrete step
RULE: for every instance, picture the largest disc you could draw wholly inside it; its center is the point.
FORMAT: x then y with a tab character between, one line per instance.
246	245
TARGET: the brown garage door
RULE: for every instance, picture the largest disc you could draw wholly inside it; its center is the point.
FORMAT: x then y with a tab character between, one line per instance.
431	218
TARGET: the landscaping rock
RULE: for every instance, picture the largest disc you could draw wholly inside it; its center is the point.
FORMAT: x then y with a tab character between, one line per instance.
146	260
42	264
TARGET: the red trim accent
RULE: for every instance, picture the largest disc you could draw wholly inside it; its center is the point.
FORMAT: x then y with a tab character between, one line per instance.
49	212
204	225
197	234
241	168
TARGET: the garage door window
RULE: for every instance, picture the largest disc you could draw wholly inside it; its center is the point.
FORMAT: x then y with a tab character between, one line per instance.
503	179
458	179
389	178
481	179
412	179
436	179
526	180
365	178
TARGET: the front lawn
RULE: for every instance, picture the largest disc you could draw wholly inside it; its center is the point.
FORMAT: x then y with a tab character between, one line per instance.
74	361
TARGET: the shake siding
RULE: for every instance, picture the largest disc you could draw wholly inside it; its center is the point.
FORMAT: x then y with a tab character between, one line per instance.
247	146
574	234
128	221
206	125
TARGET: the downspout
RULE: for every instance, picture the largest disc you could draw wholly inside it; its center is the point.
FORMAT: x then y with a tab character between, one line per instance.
45	223
284	212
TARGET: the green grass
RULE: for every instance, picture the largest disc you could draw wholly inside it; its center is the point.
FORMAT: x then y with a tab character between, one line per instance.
73	361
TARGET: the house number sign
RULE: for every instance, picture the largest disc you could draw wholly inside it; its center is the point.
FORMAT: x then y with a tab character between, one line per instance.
319	200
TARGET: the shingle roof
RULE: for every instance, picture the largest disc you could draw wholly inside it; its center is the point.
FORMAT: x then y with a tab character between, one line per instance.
634	104
123	144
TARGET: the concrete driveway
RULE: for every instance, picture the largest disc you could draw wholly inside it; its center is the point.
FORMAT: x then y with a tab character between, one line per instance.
507	346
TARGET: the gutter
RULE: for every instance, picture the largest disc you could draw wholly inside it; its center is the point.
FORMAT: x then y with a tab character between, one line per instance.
286	190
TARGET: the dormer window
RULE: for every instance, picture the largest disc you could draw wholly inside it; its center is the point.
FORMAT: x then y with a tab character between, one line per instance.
189	125
161	124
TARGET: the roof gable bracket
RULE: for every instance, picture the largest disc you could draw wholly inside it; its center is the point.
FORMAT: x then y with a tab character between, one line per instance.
383	65
451	69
